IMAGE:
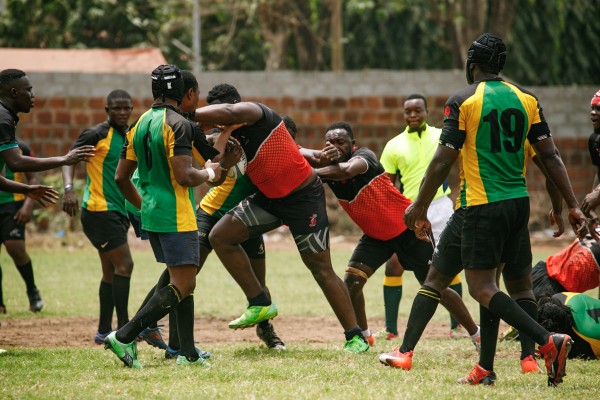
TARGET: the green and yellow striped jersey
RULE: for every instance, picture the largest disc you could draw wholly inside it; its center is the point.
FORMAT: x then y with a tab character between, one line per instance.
159	134
489	122
101	192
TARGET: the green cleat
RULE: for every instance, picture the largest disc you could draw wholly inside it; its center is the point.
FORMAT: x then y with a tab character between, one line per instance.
356	345
253	315
126	352
201	362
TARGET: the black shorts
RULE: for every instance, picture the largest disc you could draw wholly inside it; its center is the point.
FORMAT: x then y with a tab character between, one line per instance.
136	222
522	267
107	230
481	237
303	211
543	285
175	248
9	228
254	246
414	254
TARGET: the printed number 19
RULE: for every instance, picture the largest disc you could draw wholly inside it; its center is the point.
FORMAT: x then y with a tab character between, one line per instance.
511	123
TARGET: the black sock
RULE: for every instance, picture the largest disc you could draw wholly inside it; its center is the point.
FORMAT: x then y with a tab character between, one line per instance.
26	272
185	328
120	295
173	333
457	287
507	309
490	323
162	282
159	305
146	300
423	308
353	332
106	307
527	343
264	324
261	300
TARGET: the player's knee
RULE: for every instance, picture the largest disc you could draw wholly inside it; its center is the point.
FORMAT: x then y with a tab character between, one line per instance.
125	268
355	279
185	287
393	267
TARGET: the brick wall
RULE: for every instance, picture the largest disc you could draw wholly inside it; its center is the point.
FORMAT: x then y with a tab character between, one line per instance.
371	101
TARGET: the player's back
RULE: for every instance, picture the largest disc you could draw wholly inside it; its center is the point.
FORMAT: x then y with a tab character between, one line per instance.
495	117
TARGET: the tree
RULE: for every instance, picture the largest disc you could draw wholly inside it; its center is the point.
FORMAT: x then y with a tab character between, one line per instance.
549	42
77	24
468	19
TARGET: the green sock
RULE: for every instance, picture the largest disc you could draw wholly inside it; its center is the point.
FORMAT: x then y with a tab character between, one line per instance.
392	294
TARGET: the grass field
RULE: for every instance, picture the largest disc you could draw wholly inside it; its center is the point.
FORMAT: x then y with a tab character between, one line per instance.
68	279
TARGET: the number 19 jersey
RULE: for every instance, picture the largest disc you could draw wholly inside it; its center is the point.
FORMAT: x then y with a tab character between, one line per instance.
489	122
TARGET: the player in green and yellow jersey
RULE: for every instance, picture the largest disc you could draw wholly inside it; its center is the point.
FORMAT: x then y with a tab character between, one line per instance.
487	123
103	215
160	145
201	152
577	315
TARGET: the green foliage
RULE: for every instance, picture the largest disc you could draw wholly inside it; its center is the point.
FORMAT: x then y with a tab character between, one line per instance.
394	35
78	24
555	43
552	42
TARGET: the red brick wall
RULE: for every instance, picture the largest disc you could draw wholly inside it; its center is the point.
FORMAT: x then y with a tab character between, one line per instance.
55	123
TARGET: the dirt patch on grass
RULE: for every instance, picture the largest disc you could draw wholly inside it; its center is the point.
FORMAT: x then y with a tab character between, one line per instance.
43	331
79	331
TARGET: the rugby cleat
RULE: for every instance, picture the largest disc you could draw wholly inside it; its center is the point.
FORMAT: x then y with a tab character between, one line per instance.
397	359
555	356
253	315
479	376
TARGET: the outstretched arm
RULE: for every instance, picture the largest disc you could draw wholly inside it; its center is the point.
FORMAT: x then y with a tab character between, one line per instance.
46	195
20	163
344	170
228	114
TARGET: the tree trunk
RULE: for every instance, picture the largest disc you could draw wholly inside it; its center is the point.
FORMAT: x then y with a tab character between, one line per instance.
307	45
501	17
336	38
467	20
276	30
